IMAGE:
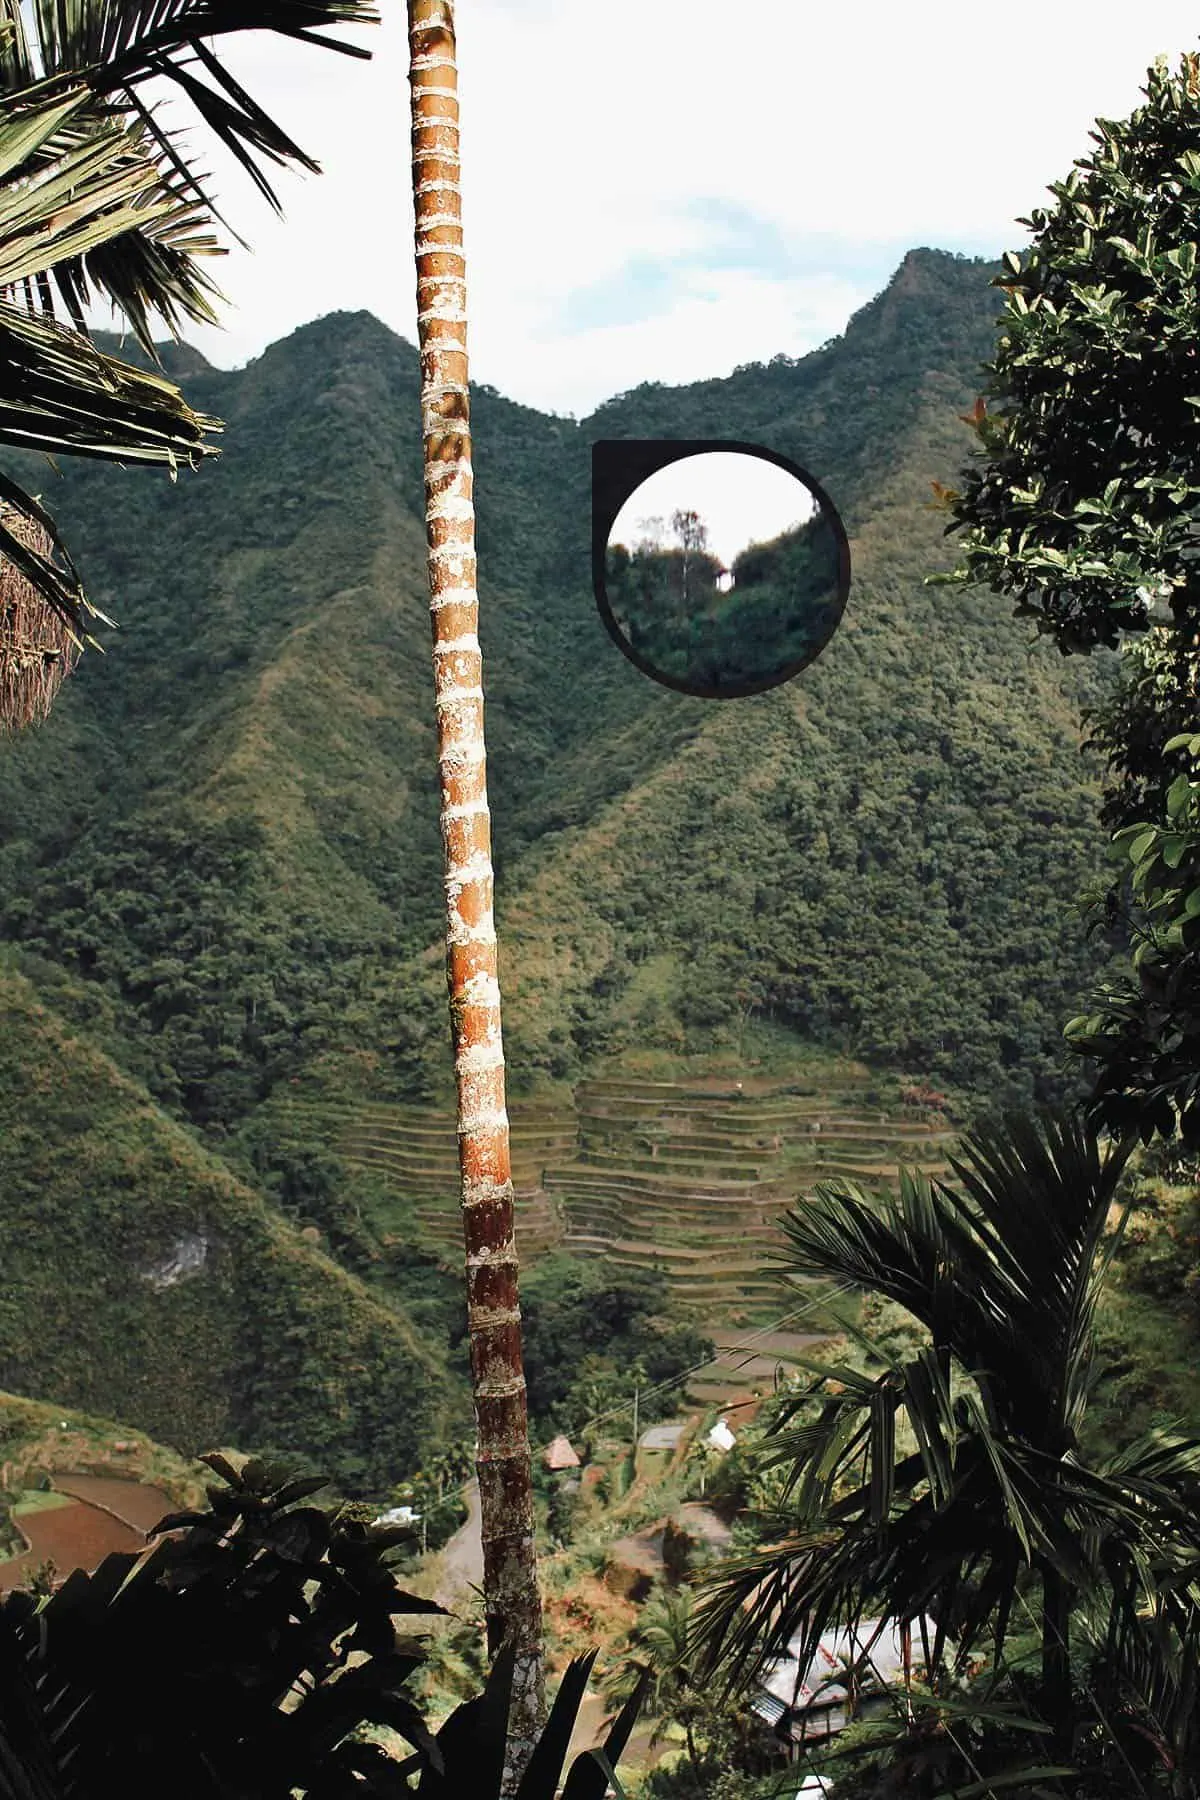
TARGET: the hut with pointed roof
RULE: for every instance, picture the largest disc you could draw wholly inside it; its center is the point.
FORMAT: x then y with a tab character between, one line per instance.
559	1456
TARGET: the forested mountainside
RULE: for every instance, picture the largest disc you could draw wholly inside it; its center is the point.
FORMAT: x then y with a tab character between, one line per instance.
145	1282
220	867
228	827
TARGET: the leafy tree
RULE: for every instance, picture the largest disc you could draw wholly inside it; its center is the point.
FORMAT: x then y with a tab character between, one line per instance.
591	1332
1083	507
1146	1033
953	1480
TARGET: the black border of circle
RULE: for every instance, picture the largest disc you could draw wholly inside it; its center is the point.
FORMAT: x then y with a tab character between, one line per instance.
614	462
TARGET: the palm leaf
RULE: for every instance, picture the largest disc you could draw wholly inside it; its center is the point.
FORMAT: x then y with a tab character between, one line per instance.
1003	1267
116	47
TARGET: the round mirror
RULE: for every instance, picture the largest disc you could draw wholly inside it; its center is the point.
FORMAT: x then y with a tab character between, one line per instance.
725	571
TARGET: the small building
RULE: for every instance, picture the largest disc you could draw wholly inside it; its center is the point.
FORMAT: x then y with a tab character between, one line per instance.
398	1515
806	1704
559	1456
720	1437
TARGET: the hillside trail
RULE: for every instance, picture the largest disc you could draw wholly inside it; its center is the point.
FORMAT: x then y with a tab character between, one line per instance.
460	1567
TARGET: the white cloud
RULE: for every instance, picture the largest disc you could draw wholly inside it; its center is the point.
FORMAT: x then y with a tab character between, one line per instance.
733	182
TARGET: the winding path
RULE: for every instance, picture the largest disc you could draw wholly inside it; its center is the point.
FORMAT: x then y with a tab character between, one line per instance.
461	1564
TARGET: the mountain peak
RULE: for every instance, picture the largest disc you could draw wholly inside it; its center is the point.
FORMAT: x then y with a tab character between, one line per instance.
178	360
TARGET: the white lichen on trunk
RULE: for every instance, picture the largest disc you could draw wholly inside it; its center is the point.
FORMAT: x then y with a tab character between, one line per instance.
505	1477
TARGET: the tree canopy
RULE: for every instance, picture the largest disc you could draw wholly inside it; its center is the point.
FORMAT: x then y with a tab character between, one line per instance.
1083	509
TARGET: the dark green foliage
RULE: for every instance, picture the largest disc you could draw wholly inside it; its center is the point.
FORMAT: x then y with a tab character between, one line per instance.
175	922
145	1282
884	854
1084	510
1146	1031
953	1483
168	1673
471	1744
591	1334
1149	707
254	1653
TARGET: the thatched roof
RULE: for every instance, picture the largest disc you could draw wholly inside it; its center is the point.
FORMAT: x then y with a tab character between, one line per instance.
559	1455
36	647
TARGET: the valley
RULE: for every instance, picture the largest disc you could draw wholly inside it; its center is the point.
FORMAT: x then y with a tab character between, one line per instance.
746	949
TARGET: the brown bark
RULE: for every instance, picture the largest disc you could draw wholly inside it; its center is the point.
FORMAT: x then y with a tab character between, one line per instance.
511	1595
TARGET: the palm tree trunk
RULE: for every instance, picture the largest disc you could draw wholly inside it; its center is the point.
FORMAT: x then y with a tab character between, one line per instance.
511	1595
1056	1658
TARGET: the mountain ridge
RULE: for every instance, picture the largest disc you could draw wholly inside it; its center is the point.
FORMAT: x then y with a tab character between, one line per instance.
220	861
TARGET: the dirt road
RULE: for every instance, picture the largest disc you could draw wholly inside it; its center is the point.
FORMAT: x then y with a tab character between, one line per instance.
461	1564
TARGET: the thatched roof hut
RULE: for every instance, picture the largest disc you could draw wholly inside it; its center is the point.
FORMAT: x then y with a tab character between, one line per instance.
559	1455
37	648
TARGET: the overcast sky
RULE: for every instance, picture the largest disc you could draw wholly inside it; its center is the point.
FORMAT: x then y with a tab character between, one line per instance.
663	192
741	500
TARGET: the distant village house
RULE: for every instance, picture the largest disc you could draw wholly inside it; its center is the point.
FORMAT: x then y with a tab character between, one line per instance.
806	1704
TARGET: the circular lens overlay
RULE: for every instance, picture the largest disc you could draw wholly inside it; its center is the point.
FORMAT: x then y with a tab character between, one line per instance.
725	573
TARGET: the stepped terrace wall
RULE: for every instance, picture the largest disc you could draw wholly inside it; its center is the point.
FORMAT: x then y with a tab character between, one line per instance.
687	1176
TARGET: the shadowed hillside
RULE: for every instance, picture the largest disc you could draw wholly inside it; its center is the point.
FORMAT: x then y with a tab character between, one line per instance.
143	1281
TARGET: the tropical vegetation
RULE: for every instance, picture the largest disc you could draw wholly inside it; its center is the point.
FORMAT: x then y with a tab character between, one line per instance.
211	948
953	1482
254	1650
1082	506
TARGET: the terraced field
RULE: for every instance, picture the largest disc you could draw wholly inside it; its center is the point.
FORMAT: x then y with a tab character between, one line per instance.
688	1176
692	1177
415	1151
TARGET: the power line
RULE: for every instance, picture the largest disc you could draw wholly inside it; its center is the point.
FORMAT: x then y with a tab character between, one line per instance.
674	1381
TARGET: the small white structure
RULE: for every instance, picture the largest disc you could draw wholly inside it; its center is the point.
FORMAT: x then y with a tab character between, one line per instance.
814	1702
724	581
720	1437
398	1515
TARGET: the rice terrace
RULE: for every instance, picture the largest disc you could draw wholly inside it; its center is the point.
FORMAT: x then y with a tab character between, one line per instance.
648	1243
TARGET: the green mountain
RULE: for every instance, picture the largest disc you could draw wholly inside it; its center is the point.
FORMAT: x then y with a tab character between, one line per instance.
229	826
145	1282
220	861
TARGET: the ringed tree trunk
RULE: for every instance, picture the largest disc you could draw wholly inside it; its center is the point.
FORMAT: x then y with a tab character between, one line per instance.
512	1602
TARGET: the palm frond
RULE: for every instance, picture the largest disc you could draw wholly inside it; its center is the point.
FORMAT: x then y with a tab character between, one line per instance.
58	392
1003	1267
96	187
116	47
